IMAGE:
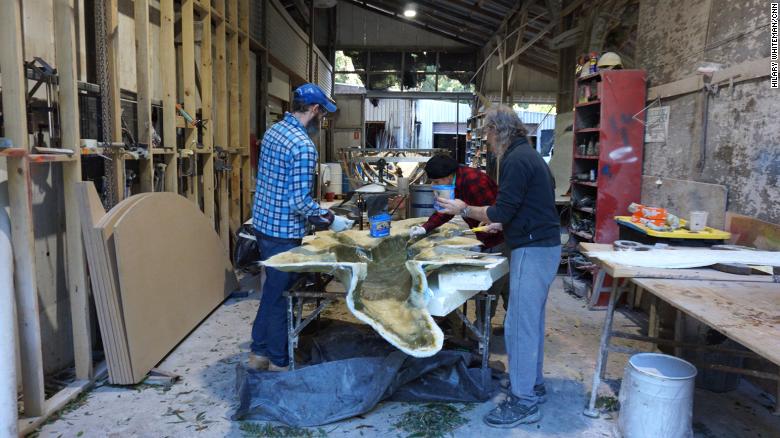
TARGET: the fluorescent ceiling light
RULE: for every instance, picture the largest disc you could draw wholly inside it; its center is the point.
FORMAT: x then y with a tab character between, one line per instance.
410	12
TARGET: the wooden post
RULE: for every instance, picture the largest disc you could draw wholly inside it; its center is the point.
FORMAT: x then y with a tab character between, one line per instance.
144	87
505	72
518	41
65	50
188	76
246	101
206	97
264	69
221	129
167	63
112	49
15	125
234	133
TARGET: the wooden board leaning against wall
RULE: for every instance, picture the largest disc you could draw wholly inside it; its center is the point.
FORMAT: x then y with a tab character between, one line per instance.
215	143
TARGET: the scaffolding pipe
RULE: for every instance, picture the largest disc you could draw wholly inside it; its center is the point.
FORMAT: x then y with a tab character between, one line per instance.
8	407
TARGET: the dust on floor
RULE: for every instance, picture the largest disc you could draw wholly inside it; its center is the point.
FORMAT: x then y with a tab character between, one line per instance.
201	403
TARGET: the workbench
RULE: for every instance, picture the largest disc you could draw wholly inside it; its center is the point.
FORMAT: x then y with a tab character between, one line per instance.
617	271
448	289
745	308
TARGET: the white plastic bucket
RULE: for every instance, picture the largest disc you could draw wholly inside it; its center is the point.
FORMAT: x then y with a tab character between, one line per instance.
325	179
335	178
656	397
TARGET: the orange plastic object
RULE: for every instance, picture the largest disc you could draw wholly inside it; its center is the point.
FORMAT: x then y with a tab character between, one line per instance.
655	215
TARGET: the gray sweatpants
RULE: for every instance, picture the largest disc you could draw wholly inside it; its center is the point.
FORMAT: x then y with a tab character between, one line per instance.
531	271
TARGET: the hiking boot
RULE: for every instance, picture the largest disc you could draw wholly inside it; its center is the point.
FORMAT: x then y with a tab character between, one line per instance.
258	362
512	413
539	390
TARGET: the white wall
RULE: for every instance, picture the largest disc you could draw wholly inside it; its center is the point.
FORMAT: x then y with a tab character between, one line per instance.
436	111
396	114
399	116
279	86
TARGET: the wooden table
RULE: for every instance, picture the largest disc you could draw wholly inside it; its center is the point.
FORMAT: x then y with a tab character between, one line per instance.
618	271
744	308
748	313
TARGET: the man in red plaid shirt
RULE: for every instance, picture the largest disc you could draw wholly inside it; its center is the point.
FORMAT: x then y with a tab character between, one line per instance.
474	187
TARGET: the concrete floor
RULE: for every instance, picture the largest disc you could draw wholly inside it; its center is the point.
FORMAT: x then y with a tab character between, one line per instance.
201	403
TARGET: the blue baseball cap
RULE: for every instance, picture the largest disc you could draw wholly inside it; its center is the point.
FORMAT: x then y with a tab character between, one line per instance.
309	94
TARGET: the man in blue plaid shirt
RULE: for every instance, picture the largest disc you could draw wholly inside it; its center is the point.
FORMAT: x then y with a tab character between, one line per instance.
283	209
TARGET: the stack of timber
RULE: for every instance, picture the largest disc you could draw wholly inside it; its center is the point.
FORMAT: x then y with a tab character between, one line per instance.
157	269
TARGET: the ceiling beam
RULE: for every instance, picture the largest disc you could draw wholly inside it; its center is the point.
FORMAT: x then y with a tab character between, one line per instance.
523	13
525	47
481	30
426	16
572	7
423	26
489	25
303	9
475	8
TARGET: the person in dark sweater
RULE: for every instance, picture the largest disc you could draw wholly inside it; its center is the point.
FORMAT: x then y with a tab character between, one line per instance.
525	211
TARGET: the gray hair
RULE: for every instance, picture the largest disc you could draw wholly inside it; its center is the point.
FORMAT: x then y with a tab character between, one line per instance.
508	125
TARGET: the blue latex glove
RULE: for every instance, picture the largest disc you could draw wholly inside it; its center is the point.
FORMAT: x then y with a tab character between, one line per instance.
341	223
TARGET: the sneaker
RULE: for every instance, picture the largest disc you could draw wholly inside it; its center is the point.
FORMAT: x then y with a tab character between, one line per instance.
511	413
258	362
539	390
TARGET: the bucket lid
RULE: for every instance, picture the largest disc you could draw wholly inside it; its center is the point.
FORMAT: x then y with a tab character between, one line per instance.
662	366
380	217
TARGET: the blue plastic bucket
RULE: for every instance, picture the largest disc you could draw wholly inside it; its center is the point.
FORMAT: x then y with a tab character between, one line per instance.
380	225
442	191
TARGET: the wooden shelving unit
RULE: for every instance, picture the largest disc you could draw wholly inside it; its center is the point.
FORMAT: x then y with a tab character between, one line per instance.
476	143
607	156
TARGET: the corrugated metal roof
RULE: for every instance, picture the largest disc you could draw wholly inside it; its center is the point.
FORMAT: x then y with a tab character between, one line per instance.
358	27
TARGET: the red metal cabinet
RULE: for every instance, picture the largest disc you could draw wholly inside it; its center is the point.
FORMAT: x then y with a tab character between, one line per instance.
608	118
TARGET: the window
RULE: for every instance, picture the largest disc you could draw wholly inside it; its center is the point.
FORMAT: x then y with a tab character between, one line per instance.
406	71
385	61
350	61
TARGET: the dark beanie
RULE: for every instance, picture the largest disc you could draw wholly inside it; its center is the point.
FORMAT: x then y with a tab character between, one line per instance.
440	166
